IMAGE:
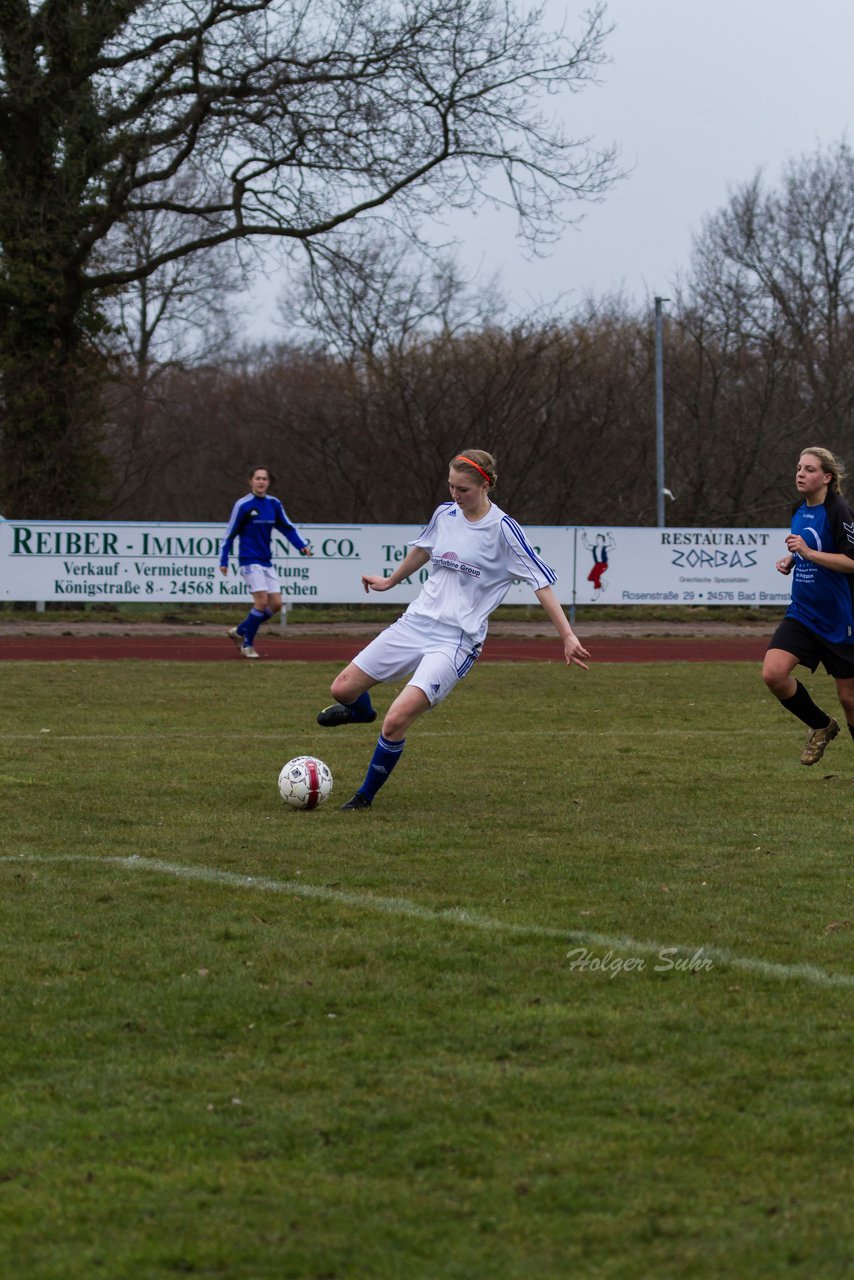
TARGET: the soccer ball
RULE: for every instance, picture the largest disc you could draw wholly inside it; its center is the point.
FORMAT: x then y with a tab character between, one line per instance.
305	782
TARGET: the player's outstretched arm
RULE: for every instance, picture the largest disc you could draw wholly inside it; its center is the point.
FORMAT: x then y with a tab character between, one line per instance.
414	560
573	649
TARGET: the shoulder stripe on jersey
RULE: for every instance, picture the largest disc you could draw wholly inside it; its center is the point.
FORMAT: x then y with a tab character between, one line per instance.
545	569
236	512
435	516
277	503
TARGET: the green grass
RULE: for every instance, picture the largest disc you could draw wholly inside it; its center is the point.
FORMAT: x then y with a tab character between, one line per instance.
378	1059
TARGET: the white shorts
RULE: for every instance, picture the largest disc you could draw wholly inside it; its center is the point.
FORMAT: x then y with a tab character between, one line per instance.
261	577
438	655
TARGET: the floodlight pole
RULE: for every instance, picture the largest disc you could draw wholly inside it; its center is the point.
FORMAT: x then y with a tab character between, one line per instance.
659	410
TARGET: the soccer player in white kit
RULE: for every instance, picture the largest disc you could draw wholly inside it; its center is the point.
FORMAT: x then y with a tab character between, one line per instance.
475	552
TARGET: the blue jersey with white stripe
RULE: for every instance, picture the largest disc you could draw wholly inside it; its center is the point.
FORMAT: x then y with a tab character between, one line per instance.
252	521
473	565
823	599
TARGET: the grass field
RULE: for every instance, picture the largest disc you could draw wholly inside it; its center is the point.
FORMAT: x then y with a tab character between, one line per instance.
573	1000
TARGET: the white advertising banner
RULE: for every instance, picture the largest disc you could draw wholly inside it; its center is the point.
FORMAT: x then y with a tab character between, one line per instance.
47	560
679	566
125	561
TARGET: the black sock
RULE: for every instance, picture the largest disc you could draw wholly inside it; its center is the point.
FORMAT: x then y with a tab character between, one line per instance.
801	705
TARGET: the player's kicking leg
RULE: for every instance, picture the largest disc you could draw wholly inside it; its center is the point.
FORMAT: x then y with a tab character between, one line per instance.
353	702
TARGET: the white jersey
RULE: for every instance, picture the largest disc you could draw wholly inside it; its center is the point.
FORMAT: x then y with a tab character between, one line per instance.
474	564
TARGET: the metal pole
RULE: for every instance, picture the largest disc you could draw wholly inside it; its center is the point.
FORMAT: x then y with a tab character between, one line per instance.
659	411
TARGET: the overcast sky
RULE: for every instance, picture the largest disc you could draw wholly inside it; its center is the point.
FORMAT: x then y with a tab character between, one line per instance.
698	96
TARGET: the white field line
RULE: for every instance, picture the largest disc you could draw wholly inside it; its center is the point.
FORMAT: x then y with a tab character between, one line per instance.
48	735
624	945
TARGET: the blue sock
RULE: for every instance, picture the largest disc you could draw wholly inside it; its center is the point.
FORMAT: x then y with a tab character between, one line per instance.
362	708
250	624
385	757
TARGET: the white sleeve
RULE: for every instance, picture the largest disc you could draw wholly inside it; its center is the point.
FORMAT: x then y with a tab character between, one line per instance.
522	559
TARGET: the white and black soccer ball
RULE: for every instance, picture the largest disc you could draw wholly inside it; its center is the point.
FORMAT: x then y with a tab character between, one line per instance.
305	782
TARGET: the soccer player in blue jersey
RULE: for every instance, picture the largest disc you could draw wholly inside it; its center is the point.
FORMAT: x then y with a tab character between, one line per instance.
819	623
252	522
475	552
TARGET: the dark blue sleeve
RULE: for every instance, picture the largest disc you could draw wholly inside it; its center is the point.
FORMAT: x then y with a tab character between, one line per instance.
841	520
284	526
235	520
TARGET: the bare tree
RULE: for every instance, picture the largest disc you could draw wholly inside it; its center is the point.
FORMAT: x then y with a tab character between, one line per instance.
787	256
244	119
761	343
185	312
370	291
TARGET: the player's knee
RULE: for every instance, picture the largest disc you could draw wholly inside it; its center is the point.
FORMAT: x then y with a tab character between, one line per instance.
348	685
775	678
395	726
340	688
400	716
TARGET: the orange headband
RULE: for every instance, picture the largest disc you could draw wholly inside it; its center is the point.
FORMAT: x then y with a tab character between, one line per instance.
461	457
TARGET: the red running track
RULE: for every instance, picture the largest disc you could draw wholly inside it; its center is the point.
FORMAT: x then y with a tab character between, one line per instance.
342	648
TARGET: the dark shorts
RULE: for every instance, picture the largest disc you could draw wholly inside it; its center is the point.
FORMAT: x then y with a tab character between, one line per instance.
810	649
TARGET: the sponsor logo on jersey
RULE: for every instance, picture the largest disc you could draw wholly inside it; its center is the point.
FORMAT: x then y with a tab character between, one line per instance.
450	560
849	530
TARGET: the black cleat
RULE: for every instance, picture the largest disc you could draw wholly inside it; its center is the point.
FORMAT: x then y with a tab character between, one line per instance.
337	714
359	801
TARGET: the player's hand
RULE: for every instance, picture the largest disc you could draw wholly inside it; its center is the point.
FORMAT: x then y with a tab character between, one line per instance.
306	550
223	568
574	651
798	547
373	582
786	565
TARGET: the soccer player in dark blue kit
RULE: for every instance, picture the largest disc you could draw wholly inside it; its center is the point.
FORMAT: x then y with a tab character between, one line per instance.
252	522
819	623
